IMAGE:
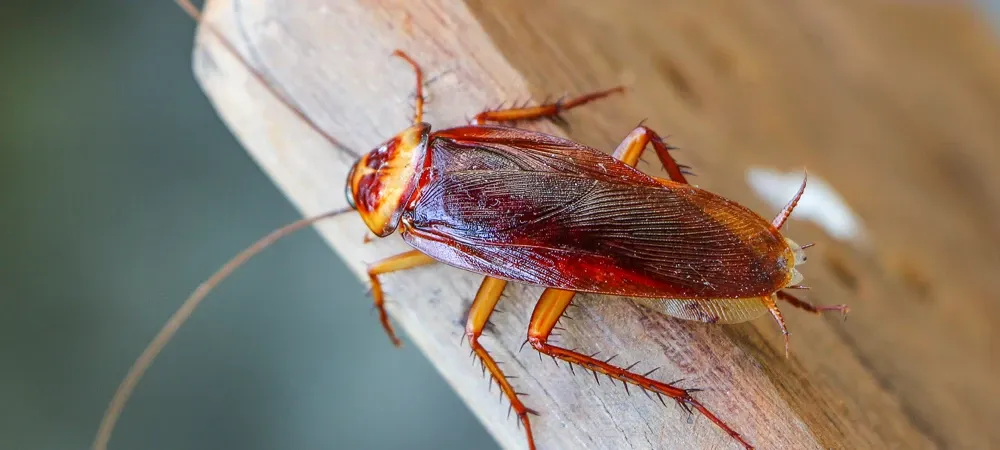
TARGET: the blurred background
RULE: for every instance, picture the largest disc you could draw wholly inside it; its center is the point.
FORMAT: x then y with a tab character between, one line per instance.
120	191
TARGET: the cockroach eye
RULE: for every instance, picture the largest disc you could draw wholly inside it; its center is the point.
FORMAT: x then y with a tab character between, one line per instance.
349	193
349	187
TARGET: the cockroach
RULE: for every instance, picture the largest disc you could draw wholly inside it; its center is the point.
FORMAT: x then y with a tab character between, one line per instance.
523	206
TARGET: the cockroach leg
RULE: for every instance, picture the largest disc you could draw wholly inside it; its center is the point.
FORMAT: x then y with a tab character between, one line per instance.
402	261
802	304
776	313
630	150
547	109
550	308
479	315
418	115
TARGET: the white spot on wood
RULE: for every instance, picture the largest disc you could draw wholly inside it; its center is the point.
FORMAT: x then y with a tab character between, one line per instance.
821	203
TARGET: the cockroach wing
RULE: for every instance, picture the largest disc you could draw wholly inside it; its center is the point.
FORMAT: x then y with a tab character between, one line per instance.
716	310
513	149
542	210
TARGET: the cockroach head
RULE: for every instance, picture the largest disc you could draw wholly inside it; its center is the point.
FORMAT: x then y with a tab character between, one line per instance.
382	181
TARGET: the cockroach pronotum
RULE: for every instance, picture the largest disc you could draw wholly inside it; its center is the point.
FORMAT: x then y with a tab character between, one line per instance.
522	206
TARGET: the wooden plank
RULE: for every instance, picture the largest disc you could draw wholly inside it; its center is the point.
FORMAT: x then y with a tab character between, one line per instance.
742	84
894	103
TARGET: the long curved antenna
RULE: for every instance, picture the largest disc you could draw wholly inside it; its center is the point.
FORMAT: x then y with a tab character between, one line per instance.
182	314
782	216
195	14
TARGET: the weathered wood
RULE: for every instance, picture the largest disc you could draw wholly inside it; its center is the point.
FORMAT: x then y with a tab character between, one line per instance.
892	115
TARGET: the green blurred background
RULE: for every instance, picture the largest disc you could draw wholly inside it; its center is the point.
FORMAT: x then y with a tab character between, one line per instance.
121	191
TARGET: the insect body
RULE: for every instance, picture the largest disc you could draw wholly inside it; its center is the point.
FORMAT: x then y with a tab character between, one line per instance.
522	206
517	205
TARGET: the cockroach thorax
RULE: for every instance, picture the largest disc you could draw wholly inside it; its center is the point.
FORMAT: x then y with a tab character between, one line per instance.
382	181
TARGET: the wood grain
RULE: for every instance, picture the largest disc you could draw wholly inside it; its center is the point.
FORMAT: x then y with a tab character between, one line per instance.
895	104
874	98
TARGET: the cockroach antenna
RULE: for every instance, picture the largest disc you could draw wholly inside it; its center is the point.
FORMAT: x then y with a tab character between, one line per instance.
196	15
182	314
148	355
782	216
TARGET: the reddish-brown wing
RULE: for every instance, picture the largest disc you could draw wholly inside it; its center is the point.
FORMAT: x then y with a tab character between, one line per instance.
535	208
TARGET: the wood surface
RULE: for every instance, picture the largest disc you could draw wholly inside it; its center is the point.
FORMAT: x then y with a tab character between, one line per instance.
896	104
